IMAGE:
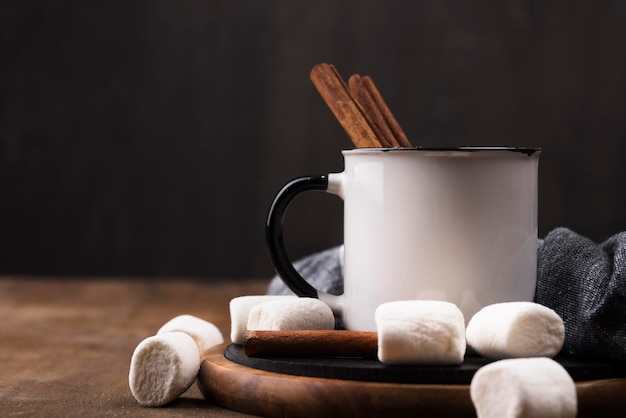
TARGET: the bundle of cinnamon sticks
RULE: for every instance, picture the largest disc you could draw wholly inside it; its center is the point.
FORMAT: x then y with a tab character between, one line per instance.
359	108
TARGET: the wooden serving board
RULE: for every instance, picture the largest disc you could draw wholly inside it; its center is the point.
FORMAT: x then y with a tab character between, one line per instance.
267	393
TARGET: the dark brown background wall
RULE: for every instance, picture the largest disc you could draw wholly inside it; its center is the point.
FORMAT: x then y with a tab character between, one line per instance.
149	137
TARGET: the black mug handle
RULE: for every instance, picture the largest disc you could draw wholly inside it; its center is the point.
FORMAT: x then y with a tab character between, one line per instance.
274	232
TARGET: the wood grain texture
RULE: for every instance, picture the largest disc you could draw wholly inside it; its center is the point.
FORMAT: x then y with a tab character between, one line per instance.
275	395
270	394
66	344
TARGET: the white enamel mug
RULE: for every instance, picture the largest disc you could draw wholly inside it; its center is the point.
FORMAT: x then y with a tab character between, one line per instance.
453	224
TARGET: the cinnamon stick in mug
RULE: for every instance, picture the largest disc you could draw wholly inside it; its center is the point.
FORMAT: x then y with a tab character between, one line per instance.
362	94
384	109
347	111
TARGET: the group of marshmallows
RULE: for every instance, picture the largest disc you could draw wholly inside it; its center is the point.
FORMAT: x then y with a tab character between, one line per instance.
522	337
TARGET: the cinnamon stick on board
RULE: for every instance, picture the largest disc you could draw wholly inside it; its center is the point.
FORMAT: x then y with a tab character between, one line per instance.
306	343
350	115
391	120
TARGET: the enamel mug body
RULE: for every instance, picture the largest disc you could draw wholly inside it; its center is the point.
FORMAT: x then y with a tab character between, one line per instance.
458	225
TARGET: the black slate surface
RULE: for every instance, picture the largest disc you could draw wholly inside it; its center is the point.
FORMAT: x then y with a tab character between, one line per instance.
371	370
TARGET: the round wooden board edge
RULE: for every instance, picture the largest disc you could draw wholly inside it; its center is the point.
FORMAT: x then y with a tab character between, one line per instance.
258	392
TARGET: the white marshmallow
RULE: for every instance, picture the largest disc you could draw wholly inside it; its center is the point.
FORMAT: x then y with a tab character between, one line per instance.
420	332
163	367
516	329
240	309
524	388
291	314
204	333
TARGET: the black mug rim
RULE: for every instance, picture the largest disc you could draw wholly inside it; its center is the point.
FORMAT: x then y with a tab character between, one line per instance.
523	150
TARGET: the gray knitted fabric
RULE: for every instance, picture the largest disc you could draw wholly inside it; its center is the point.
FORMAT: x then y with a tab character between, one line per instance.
584	282
323	270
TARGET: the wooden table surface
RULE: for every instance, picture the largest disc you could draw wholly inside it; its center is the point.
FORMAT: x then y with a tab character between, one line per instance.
66	343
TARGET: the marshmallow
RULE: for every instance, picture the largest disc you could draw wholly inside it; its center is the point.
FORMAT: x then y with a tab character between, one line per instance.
523	388
516	329
420	332
291	314
205	334
240	309
163	367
